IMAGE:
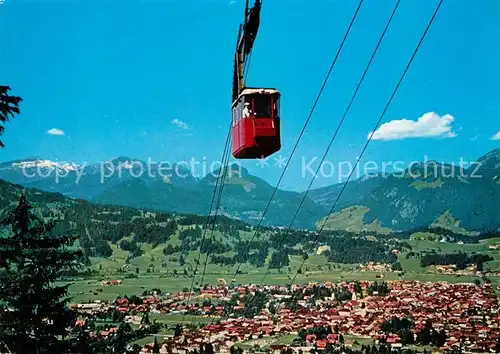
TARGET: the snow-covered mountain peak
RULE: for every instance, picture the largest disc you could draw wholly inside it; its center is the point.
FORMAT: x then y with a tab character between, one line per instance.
48	164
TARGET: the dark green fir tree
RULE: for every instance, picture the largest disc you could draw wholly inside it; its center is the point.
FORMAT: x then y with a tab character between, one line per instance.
156	346
34	317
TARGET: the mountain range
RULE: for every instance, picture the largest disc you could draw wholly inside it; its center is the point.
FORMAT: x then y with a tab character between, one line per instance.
420	196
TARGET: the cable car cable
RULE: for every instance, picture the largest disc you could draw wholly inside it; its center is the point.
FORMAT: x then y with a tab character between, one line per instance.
225	169
353	97
301	132
373	132
219	183
205	226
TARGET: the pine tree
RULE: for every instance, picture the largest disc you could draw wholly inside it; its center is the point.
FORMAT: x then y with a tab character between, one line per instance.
119	341
209	348
81	343
33	313
145	319
156	346
177	330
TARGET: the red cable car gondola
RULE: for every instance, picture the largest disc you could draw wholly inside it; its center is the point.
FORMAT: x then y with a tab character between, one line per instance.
255	128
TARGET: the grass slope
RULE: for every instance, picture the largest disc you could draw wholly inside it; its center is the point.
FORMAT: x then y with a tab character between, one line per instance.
352	219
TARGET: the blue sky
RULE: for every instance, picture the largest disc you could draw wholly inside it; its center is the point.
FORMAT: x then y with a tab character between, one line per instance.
153	79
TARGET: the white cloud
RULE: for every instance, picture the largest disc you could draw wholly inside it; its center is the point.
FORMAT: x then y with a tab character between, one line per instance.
496	136
430	125
55	131
180	124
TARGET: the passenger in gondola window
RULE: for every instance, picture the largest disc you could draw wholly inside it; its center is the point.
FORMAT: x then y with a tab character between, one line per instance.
247	112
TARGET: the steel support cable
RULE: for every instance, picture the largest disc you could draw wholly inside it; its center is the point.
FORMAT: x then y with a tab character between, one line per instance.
300	134
225	169
360	82
205	226
220	184
371	135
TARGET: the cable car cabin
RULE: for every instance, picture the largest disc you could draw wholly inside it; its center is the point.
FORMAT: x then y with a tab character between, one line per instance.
256	123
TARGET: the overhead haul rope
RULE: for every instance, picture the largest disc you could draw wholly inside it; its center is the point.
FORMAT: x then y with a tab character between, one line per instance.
205	226
360	82
300	135
224	169
372	133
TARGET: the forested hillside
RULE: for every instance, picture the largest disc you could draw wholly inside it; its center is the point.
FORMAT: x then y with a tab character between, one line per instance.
110	231
98	226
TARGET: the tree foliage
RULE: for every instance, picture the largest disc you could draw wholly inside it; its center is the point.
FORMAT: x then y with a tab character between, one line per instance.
34	316
380	288
461	260
9	106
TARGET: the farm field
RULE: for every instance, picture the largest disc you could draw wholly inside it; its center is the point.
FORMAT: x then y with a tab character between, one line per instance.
316	269
84	290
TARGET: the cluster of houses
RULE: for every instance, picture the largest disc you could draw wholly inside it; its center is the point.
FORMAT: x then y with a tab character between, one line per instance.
374	267
452	269
470	270
469	314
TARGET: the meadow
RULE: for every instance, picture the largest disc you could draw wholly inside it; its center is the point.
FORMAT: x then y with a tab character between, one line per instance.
155	270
